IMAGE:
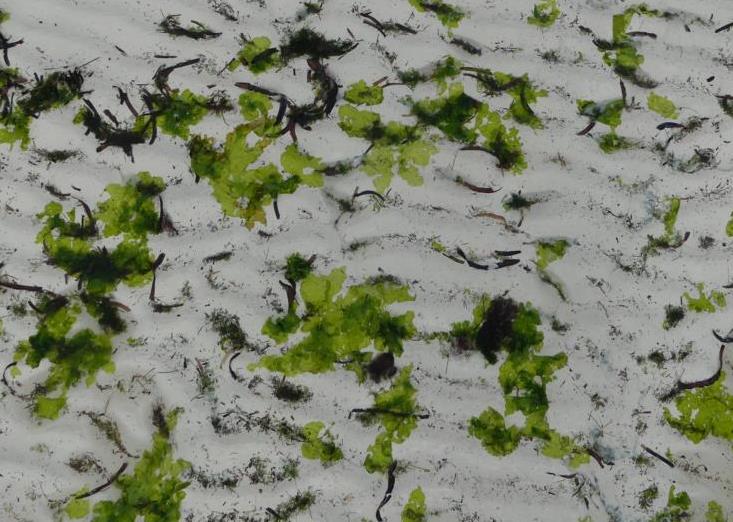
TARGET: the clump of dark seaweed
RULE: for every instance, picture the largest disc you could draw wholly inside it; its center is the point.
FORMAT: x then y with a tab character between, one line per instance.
498	324
49	92
290	392
229	330
197	31
172	110
326	92
6	42
310	43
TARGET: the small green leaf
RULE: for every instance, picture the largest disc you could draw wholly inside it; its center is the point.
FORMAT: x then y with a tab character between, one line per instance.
662	106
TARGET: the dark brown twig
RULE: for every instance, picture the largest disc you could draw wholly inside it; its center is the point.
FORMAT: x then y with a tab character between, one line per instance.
107	484
680	386
389	412
657	455
469	262
390	487
476	188
231	370
587	129
724	27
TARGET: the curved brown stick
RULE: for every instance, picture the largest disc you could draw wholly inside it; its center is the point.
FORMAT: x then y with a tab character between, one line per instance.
390	488
5	380
476	188
367	193
105	485
469	262
231	371
680	386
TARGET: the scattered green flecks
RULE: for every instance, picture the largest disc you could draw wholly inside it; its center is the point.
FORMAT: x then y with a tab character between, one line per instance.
320	444
154	491
360	93
243	191
502	325
257	55
455	111
704	302
703	412
544	14
549	252
621	53
73	357
449	15
338	326
396	407
395	147
520	88
415	510
662	106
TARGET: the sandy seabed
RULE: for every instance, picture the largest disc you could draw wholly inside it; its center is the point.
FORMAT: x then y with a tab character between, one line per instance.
602	303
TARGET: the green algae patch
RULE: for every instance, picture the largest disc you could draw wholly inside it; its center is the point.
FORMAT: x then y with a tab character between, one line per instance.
502	325
320	444
396	148
338	325
620	53
154	491
15	128
50	92
522	91
677	508
449	15
360	93
73	357
243	191
257	55
662	106
544	14
415	510
466	120
395	409
608	112
128	212
549	253
704	412
130	209
671	237
705	302
297	268
177	111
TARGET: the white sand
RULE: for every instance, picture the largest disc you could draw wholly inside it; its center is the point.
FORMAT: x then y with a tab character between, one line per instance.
610	323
